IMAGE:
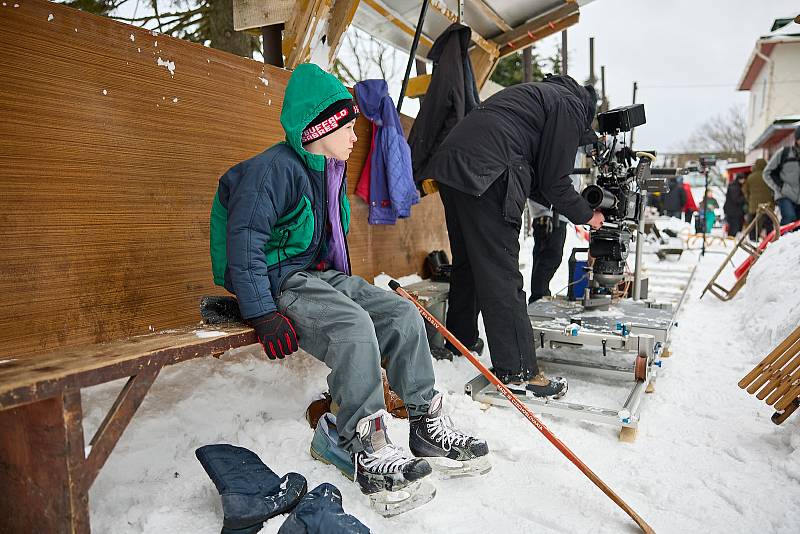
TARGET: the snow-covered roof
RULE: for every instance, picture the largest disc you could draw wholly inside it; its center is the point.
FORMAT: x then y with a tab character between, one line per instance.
765	45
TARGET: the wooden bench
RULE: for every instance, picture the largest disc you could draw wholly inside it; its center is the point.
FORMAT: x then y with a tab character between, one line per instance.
113	142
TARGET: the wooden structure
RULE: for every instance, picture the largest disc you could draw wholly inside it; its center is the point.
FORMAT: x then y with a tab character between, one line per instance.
113	143
743	243
776	379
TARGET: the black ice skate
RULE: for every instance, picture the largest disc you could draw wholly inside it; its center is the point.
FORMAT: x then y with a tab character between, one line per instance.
391	479
450	452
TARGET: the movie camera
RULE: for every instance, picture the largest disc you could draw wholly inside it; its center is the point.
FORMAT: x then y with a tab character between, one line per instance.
619	192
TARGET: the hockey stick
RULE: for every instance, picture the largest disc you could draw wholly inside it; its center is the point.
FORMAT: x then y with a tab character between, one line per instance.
525	411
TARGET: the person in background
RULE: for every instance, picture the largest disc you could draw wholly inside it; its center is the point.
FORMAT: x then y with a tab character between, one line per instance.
734	206
690	206
757	192
782	175
707	213
675	198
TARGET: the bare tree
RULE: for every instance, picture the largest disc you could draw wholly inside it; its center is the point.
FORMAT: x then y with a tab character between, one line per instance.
363	56
723	134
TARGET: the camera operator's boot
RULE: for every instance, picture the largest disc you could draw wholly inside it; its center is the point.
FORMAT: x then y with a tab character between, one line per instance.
538	386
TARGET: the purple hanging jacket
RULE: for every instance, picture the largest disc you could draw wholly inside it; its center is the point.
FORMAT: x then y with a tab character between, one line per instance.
392	191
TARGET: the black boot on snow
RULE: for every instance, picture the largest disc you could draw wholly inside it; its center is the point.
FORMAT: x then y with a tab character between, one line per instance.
391	479
251	492
451	452
448	351
538	386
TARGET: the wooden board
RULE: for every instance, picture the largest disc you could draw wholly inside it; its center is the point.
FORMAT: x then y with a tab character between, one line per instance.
39	376
113	142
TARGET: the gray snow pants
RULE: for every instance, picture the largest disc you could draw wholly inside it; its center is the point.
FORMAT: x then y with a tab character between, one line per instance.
351	326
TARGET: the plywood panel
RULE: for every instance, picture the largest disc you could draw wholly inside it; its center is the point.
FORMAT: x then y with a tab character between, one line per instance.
113	140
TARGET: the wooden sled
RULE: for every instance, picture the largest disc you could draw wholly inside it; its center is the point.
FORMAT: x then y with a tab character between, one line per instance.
743	243
778	378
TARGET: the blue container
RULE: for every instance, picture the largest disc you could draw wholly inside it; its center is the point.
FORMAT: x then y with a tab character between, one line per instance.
578	274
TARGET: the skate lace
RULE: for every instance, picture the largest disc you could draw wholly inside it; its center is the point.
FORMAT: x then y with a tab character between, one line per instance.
441	428
389	459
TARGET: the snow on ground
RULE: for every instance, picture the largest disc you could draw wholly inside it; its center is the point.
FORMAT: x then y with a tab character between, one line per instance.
707	459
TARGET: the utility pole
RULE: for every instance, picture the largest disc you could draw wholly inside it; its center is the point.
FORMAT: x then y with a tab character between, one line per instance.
635	87
592	80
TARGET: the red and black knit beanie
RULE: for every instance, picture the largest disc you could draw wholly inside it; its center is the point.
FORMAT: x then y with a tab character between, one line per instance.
331	119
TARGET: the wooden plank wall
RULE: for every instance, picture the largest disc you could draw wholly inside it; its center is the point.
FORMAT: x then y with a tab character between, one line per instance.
113	140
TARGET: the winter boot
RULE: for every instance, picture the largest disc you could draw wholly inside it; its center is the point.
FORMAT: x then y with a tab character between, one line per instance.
448	352
251	493
391	479
538	386
450	452
320	512
325	446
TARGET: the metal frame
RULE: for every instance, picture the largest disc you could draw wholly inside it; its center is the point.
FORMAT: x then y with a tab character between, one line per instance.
626	416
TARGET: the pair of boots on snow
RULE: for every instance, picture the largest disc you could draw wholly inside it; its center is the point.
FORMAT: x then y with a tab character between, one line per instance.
252	493
393	480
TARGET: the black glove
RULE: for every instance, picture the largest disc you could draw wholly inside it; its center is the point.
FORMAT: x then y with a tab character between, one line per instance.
546	224
276	334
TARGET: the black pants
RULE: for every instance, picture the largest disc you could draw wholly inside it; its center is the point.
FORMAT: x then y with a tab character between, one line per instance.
734	223
486	278
548	249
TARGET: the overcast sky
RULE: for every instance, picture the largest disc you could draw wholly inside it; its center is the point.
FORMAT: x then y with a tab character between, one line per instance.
686	55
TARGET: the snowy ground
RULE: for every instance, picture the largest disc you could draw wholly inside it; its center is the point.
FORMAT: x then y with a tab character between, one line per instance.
707	458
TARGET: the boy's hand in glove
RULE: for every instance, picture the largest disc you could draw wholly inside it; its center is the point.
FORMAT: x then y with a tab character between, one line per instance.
276	334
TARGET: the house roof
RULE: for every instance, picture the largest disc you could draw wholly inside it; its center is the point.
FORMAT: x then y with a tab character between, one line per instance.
777	131
765	45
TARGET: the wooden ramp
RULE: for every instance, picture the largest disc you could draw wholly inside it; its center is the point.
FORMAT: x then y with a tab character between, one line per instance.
777	378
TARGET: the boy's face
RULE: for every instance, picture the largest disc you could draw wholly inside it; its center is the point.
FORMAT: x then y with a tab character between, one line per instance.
337	145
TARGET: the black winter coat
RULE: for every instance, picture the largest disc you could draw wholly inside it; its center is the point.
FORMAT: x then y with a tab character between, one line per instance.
451	95
734	200
529	133
675	198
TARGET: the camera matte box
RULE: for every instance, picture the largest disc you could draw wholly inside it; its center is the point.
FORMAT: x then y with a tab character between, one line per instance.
622	119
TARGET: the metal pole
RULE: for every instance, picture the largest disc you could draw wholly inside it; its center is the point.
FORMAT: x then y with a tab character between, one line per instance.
564	56
412	53
637	268
705	210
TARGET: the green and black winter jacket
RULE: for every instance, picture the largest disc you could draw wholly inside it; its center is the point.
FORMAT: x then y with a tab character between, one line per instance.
269	214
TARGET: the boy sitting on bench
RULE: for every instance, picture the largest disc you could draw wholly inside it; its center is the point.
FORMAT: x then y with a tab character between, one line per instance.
278	242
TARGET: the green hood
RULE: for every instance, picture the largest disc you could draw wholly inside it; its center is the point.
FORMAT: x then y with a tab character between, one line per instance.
760	164
309	92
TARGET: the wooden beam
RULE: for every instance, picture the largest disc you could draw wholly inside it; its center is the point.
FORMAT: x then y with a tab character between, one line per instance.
116	421
341	17
540	33
418	86
483	64
536	24
398	21
492	14
489	46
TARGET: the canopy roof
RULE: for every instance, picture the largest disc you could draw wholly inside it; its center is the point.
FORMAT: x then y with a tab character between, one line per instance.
502	25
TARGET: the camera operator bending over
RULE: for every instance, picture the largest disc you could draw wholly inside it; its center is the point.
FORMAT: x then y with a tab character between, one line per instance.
782	175
520	143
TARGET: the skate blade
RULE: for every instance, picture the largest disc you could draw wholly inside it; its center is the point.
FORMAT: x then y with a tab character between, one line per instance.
392	503
446	468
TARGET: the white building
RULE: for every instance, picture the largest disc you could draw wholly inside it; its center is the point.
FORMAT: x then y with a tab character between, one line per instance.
772	75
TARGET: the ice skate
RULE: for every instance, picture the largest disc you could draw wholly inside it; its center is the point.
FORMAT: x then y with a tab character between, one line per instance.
391	479
451	453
